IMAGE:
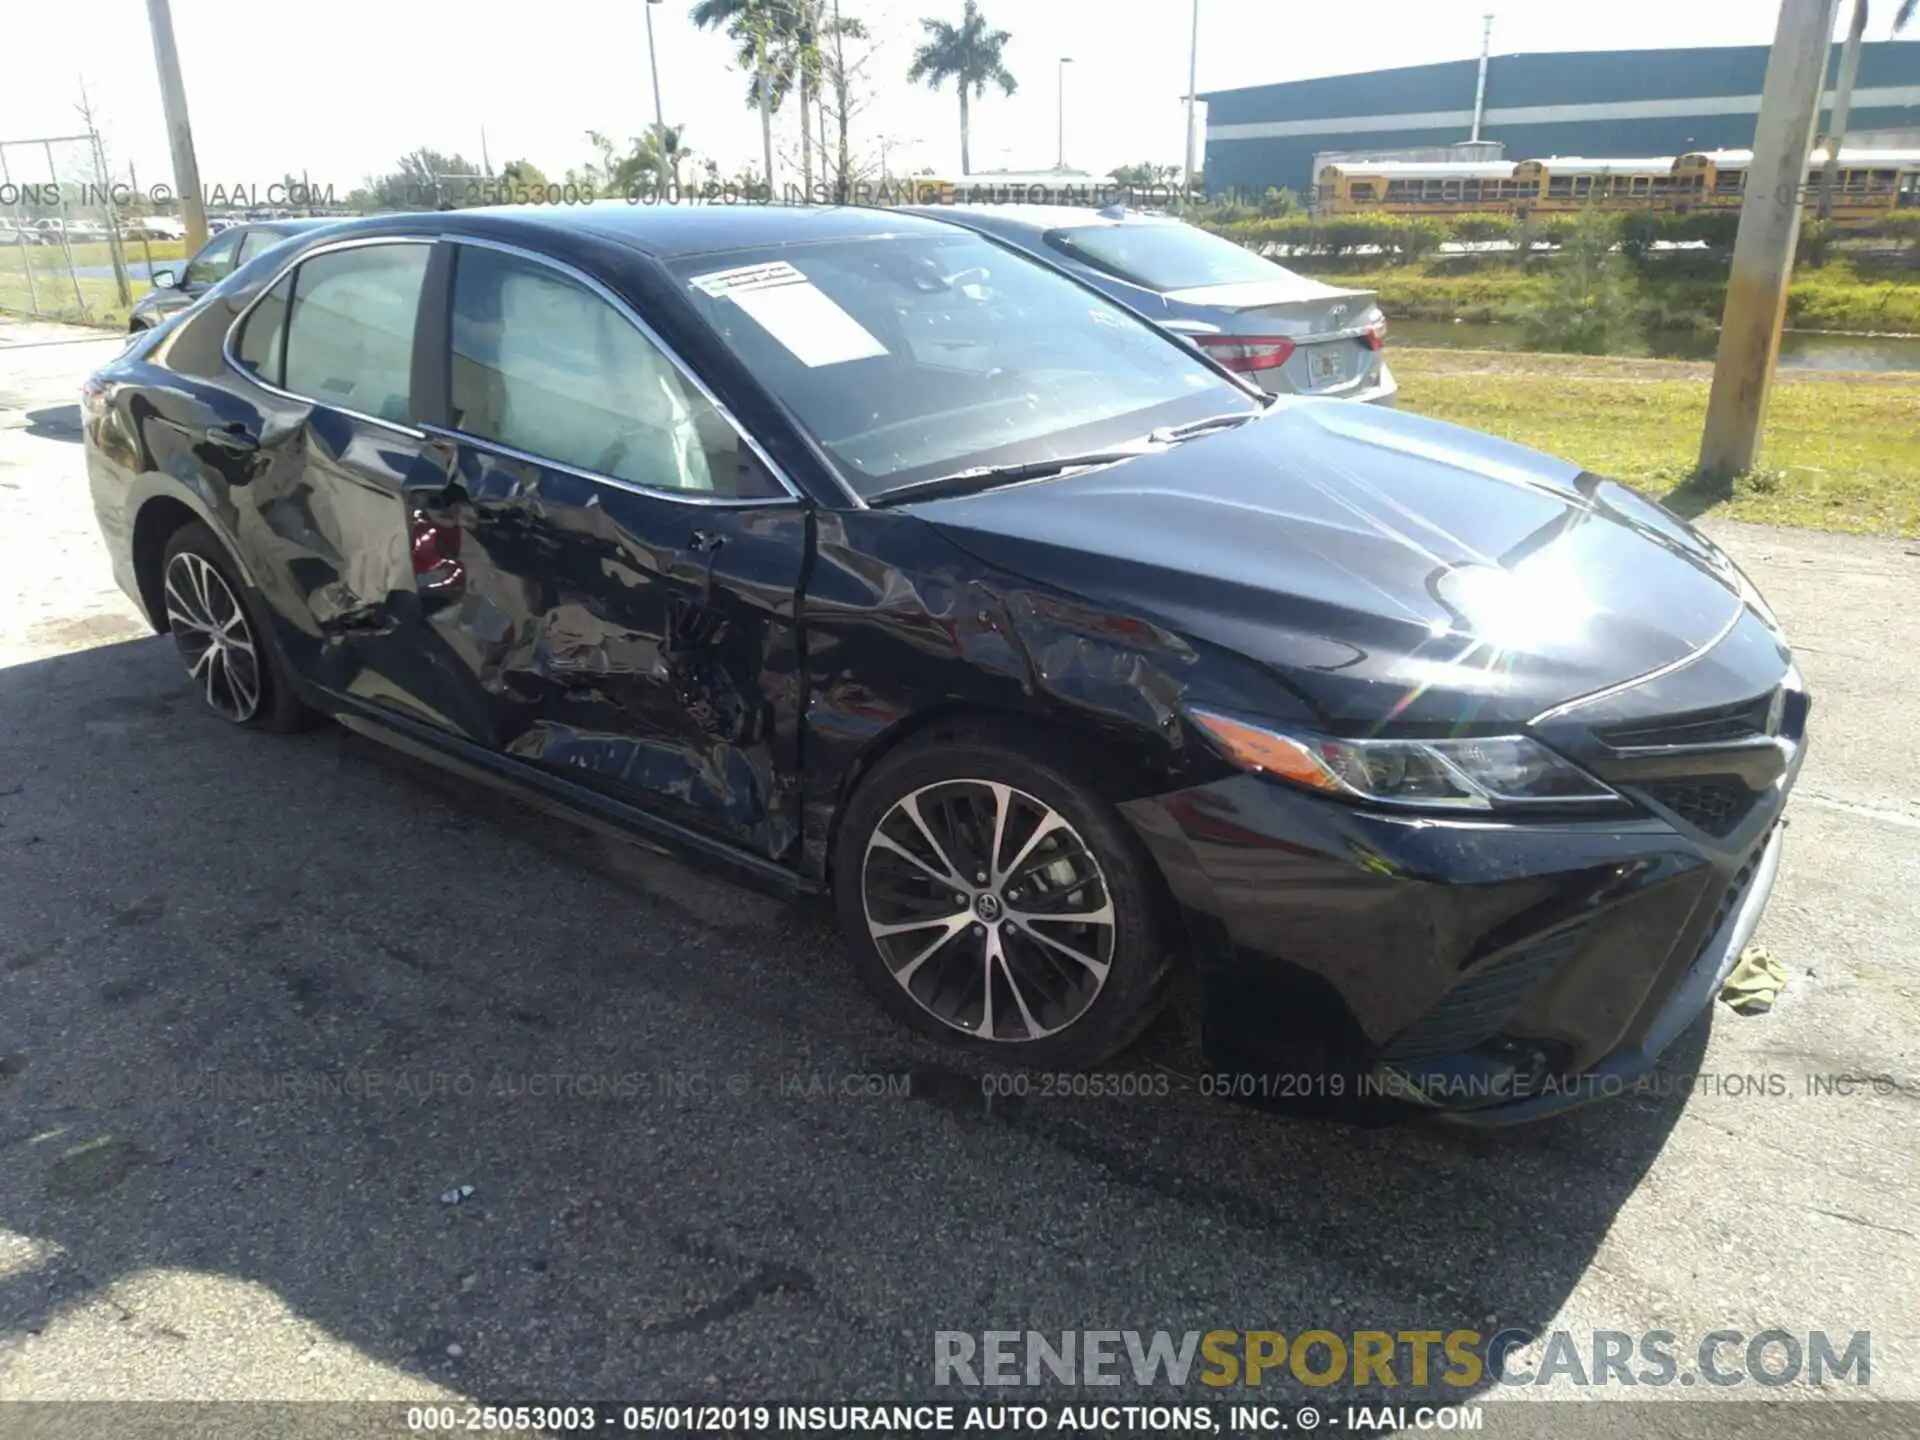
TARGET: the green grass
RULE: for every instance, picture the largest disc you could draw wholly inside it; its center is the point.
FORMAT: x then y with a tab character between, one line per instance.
53	257
1841	451
57	302
53	287
1837	296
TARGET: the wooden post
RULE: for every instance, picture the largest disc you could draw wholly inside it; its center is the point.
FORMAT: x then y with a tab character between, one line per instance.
1764	245
173	100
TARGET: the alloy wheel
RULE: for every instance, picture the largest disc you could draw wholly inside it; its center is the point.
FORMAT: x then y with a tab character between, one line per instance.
989	909
213	636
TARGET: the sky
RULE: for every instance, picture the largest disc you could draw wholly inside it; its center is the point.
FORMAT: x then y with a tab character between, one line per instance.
339	89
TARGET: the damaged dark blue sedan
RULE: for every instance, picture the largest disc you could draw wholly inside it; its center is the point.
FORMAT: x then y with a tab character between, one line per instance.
857	554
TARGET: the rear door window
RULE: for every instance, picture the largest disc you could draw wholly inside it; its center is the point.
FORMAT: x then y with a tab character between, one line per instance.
349	333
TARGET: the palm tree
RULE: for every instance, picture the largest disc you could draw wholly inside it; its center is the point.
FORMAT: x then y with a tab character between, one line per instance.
662	150
1843	92
646	159
760	31
969	55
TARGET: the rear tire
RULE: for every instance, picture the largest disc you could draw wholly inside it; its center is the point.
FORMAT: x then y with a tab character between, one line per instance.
994	902
222	637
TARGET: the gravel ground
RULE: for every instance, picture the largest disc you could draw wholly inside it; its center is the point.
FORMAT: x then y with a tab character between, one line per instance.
263	1000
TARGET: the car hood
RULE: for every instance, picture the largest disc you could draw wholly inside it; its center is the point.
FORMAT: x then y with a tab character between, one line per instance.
1382	565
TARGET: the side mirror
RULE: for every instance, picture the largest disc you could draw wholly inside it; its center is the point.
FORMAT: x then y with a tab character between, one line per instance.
165	279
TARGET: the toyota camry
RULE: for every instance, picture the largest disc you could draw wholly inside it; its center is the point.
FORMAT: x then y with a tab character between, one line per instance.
861	556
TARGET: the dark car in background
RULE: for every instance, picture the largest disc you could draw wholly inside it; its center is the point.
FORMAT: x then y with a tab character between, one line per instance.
1288	334
177	287
857	555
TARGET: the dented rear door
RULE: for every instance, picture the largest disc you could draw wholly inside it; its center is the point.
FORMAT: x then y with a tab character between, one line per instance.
321	471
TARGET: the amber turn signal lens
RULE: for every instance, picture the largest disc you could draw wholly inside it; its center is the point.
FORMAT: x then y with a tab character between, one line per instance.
1263	750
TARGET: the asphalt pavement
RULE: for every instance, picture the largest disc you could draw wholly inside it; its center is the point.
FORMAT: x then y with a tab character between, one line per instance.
269	1005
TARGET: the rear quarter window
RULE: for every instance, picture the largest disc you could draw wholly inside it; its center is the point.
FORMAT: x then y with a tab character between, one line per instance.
261	346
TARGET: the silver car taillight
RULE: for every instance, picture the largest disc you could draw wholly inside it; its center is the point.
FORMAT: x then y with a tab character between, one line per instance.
1245	353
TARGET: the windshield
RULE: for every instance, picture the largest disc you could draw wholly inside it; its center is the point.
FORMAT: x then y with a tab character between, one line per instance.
1165	257
912	357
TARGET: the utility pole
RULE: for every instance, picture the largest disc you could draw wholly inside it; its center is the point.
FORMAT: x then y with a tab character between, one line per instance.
1842	100
659	115
173	99
1764	245
1480	89
1193	76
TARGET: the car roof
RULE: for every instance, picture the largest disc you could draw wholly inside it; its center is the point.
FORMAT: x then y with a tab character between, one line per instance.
665	231
293	225
1037	218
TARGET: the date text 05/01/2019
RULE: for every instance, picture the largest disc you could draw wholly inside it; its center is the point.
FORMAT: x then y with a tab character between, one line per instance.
932	1419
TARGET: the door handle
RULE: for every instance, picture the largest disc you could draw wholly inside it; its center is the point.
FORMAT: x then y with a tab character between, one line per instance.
703	543
232	437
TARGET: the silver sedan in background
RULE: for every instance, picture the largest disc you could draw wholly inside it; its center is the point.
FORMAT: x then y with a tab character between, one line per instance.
1288	334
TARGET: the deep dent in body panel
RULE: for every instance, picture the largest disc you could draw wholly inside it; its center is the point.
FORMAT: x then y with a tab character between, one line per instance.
986	644
675	701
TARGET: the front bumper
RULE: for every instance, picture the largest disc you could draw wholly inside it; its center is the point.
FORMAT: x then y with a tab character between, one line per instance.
1488	971
1695	992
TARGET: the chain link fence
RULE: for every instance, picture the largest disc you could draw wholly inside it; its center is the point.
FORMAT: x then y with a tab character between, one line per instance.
74	244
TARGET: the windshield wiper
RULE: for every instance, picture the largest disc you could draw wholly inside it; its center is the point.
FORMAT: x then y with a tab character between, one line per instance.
1173	434
985	477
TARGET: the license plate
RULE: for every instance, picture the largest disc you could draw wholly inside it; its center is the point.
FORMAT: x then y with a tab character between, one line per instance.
1326	365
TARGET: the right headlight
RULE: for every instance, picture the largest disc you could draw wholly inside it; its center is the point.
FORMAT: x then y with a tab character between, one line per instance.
1472	774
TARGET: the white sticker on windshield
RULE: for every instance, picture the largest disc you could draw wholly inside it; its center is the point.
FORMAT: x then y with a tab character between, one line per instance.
795	311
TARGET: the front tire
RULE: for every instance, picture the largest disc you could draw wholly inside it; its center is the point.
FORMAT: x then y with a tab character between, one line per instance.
994	902
222	638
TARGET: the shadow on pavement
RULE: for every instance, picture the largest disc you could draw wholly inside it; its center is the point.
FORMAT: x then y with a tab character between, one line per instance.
55	422
264	999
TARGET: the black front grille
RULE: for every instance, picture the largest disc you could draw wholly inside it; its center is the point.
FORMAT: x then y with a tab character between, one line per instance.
1716	806
1718	726
1475	1008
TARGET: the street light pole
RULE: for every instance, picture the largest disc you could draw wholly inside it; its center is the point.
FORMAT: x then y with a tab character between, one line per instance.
1480	86
1764	245
173	100
1060	161
1193	76
659	115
